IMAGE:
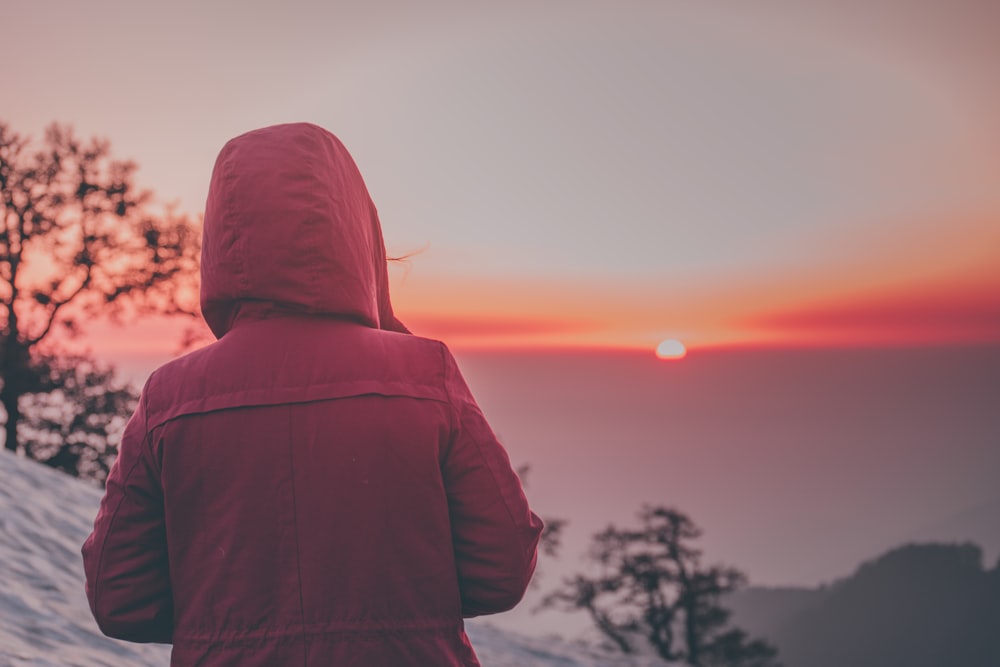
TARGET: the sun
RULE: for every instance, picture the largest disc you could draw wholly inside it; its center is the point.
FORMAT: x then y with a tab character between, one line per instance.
671	349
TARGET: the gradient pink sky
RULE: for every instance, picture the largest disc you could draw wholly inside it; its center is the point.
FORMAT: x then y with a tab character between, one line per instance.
587	174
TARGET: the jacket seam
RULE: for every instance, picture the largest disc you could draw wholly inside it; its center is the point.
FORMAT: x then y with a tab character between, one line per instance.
295	529
503	497
447	392
496	483
318	630
118	507
205	410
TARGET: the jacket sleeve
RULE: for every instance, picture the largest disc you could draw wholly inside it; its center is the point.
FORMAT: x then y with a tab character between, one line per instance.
494	531
125	558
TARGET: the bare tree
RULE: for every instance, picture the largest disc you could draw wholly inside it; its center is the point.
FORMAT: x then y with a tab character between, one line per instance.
78	240
75	421
653	586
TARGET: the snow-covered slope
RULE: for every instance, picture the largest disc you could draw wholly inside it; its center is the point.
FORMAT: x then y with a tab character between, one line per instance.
44	619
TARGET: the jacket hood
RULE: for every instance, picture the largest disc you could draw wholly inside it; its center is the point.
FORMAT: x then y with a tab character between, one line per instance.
289	222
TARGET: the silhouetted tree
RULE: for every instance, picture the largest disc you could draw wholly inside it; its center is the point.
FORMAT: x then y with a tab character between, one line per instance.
78	240
652	586
74	424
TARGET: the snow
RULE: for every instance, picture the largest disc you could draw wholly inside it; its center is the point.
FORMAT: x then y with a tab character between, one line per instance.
45	621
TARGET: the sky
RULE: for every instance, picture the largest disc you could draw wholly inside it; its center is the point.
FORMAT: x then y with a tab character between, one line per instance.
587	174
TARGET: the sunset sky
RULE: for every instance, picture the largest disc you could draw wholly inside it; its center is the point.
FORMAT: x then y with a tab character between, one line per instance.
587	173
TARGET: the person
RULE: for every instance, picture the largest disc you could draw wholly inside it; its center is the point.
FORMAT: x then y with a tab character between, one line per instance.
318	486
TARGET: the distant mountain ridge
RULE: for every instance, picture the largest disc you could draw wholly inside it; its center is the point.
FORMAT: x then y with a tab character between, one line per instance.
920	605
979	523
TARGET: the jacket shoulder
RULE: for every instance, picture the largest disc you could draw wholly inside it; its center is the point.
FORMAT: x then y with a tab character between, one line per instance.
277	362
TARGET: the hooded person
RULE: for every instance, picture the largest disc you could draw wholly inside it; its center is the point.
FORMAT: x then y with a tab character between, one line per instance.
317	487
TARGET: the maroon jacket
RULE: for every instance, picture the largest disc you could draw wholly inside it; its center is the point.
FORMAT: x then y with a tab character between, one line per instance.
317	487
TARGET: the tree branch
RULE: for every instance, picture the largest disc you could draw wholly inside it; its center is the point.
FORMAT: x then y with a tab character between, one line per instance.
56	307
